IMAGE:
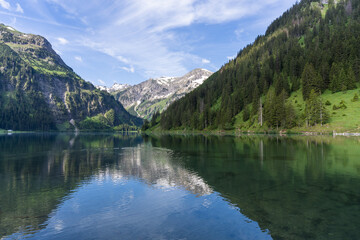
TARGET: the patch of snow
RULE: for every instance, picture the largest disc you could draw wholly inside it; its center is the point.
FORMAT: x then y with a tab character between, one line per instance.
114	88
165	80
200	80
10	28
118	87
102	88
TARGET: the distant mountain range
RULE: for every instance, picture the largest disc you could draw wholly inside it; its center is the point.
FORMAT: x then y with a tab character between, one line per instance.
38	91
145	98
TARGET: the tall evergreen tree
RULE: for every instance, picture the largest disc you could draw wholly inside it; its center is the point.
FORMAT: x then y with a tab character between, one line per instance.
335	84
311	80
350	78
315	111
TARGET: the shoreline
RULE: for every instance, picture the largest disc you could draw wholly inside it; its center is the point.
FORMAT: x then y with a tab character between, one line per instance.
206	132
240	133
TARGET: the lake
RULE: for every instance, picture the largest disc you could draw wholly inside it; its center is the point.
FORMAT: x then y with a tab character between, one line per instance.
108	186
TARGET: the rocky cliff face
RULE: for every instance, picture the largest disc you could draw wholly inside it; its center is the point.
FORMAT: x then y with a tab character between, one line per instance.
38	91
153	95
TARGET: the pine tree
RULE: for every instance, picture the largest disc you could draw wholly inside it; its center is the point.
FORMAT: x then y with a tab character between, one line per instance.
342	80
315	111
291	118
335	85
311	80
270	108
154	118
145	126
255	102
246	114
350	79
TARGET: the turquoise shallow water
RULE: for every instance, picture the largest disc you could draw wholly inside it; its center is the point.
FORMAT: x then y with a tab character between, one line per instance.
103	186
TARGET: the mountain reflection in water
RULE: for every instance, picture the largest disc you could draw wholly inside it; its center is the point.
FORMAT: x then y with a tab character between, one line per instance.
171	187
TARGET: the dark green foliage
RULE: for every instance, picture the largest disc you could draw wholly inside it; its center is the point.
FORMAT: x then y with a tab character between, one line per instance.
126	128
154	119
327	103
16	114
301	49
342	79
350	79
255	102
315	111
270	110
311	80
145	126
278	113
335	84
246	114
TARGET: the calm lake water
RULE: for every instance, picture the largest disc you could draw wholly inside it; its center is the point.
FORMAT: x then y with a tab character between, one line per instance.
94	186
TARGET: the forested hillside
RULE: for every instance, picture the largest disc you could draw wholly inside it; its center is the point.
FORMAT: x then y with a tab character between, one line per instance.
38	91
307	56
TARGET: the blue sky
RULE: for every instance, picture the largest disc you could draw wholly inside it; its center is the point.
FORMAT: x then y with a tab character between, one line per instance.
129	41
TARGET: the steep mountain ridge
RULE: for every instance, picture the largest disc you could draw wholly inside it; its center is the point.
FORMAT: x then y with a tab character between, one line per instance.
145	98
38	91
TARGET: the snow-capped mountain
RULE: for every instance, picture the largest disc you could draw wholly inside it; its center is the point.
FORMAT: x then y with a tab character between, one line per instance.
145	98
115	88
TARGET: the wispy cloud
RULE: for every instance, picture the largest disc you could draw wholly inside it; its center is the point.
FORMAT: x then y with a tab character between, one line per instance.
19	8
205	61
140	33
101	81
62	41
231	57
155	38
38	20
78	58
5	4
129	69
239	32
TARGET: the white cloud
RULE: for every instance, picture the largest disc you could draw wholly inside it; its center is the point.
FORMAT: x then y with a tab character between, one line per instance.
231	57
205	61
78	58
239	32
142	33
5	4
19	8
101	81
62	41
130	69
122	59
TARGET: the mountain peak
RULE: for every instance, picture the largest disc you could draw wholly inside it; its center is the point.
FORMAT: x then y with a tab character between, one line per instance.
145	98
34	49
